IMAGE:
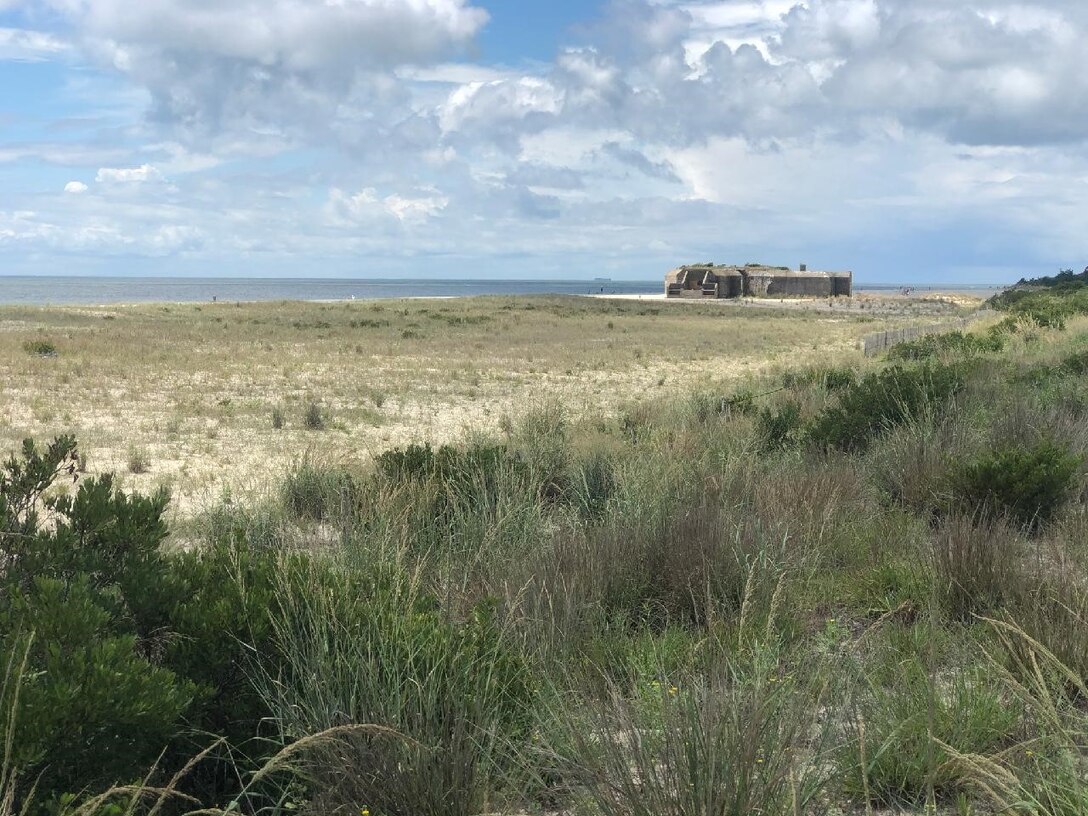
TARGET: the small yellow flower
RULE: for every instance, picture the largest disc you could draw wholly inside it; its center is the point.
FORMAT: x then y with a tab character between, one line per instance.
364	812
673	689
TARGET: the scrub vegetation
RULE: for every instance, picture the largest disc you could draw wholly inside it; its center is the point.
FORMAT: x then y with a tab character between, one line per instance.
851	587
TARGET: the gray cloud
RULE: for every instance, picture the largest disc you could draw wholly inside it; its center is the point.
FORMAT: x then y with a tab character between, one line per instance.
284	65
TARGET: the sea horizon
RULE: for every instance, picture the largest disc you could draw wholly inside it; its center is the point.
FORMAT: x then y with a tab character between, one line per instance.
77	290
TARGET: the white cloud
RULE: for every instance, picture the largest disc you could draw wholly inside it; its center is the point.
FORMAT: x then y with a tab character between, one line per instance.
30	46
346	209
127	175
75	187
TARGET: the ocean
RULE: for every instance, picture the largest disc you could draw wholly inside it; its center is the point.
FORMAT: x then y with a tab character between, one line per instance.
56	290
41	291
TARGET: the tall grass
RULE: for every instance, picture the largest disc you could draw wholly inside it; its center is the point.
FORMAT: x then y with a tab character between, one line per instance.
455	698
742	739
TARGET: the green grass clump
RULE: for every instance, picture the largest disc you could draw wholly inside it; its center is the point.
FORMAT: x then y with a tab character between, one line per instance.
40	348
314	493
452	701
314	418
731	743
898	756
780	428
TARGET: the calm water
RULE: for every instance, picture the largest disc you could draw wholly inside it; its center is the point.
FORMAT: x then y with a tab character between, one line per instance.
68	290
72	290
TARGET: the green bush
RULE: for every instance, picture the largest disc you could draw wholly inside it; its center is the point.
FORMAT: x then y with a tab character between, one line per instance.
96	705
957	342
131	649
883	400
1029	485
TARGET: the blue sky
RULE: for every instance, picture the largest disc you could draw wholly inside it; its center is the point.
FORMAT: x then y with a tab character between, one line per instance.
907	140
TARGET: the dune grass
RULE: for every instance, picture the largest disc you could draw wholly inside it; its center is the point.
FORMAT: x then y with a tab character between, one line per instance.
831	588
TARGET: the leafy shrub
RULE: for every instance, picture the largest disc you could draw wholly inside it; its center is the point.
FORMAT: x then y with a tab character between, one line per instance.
881	401
96	706
957	342
1029	485
780	428
93	708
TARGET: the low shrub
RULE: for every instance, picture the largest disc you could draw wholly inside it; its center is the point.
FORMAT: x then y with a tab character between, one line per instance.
883	400
96	704
933	345
278	418
1029	485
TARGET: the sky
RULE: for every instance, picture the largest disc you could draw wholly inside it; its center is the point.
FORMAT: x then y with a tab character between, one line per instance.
911	141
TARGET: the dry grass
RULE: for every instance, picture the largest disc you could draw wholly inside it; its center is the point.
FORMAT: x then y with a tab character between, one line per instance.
192	386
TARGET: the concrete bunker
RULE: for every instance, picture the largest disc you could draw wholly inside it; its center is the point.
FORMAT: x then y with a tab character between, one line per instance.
695	281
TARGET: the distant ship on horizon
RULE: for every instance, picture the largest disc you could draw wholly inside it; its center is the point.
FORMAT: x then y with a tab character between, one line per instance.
603	279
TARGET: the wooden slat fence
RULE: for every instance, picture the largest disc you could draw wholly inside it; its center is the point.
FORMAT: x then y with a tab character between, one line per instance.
878	342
